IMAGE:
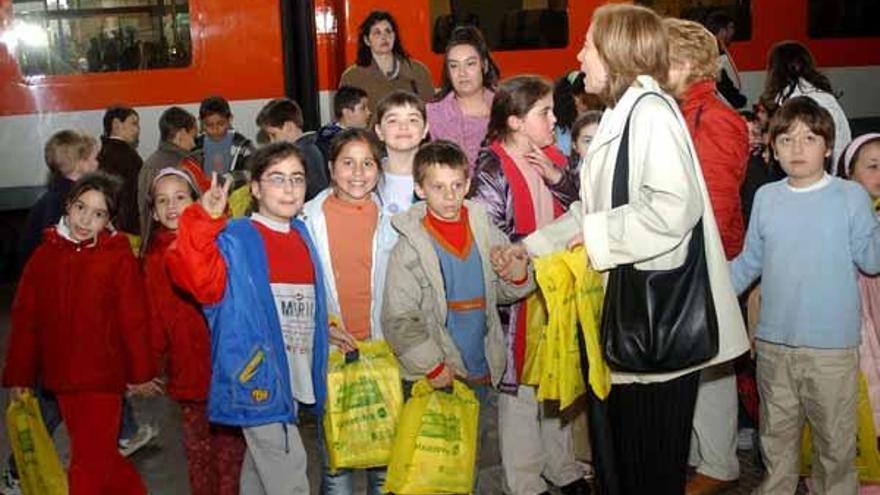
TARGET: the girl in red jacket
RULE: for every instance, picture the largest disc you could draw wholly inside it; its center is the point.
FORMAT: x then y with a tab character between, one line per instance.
181	341
79	326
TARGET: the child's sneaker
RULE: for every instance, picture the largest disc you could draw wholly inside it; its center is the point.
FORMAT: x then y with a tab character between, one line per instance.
144	434
9	485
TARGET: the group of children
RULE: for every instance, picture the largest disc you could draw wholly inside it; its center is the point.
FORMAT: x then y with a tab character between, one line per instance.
298	276
373	237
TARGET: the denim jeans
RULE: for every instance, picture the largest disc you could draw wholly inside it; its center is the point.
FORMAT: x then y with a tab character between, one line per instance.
52	419
341	482
128	425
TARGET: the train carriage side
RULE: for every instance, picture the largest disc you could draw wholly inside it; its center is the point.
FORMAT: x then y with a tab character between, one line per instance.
187	49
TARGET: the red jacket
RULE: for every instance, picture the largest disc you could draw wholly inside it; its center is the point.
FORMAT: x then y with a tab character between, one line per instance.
179	329
721	138
79	318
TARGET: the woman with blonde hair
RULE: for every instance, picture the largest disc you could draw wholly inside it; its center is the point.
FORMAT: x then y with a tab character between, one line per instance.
626	62
721	139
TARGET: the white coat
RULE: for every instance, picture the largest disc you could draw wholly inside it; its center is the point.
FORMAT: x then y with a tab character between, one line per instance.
667	196
383	241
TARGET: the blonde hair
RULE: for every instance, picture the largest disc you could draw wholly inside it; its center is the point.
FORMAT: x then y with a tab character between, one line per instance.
631	42
65	148
691	42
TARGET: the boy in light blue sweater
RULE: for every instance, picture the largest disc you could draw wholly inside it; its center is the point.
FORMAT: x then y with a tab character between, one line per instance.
808	236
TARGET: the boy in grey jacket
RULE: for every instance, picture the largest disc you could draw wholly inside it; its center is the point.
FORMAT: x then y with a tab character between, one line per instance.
439	311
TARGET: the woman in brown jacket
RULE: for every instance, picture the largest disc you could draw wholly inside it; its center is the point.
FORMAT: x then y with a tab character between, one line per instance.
383	65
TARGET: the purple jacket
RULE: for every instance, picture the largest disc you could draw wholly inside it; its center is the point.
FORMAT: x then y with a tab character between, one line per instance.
491	189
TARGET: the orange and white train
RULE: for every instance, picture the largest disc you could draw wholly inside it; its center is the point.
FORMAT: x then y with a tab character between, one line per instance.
62	62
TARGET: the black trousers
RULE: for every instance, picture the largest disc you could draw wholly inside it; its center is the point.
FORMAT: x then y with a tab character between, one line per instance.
651	434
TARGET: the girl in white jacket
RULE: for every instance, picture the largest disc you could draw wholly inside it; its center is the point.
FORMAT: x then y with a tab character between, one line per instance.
353	238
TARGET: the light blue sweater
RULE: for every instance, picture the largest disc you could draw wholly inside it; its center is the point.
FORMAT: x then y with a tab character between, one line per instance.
807	246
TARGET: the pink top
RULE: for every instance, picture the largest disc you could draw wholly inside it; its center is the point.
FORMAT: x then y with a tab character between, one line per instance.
446	121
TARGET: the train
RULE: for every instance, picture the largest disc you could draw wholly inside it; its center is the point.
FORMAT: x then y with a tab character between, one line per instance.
62	62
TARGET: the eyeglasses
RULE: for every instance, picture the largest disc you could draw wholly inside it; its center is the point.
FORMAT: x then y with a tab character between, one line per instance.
278	181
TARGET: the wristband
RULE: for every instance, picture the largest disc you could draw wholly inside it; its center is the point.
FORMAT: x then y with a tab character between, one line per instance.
434	373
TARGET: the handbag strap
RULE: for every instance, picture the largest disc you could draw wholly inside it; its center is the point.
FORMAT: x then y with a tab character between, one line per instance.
620	181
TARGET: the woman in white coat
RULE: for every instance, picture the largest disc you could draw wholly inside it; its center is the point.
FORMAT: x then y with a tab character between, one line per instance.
625	55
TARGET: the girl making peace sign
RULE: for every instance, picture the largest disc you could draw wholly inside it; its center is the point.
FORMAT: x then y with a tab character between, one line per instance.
263	296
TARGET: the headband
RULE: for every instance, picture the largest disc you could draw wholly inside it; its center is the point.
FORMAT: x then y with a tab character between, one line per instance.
167	171
853	148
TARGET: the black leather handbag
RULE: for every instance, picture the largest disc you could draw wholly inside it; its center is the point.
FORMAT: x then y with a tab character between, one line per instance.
657	320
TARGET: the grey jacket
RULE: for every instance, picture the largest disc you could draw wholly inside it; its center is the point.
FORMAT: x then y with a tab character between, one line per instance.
415	306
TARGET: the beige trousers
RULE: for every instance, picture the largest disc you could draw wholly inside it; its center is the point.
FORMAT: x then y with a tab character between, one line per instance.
821	386
534	446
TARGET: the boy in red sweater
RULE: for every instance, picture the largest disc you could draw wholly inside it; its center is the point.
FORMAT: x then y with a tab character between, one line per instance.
79	327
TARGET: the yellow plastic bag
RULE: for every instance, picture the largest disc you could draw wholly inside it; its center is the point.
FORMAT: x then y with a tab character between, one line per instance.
548	380
39	467
574	293
239	201
571	377
436	442
589	298
135	242
561	377
867	457
536	323
364	400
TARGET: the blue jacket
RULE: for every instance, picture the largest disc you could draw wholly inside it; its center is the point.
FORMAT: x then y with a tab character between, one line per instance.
250	377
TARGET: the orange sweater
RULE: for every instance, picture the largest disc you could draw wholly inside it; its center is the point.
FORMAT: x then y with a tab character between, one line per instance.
350	231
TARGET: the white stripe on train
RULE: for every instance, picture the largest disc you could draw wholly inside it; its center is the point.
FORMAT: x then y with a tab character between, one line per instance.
22	137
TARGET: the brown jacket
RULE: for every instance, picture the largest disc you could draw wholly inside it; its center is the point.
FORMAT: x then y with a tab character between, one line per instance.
413	76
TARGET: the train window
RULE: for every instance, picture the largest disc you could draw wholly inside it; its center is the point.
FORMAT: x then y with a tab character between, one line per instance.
740	11
506	24
850	19
51	37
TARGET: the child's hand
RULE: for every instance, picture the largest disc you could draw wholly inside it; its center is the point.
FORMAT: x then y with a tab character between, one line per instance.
18	393
543	165
444	378
214	200
517	269
342	339
147	389
510	263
